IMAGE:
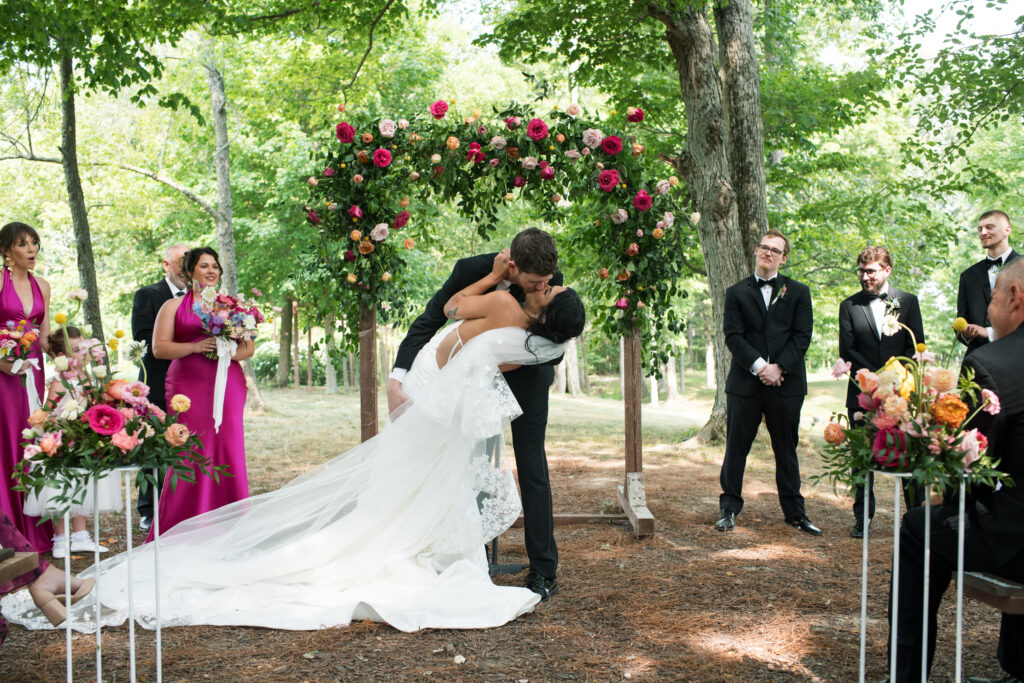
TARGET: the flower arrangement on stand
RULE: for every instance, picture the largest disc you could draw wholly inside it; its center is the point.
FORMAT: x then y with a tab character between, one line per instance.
97	425
915	417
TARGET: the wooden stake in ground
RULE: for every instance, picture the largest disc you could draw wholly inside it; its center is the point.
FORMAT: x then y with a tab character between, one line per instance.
367	372
632	498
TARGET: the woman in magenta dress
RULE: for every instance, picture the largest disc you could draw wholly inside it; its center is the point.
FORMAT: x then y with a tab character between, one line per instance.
179	336
22	297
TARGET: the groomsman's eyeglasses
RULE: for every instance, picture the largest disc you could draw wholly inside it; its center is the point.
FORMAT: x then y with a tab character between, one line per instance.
765	249
870	272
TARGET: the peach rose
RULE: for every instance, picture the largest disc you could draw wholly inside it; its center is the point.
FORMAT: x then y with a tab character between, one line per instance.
112	390
896	406
943	380
38	418
866	380
177	434
365	247
834	434
949	410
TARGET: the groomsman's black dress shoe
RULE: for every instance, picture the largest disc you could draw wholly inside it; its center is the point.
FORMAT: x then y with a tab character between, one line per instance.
857	530
1005	679
542	586
145	522
804	524
727	521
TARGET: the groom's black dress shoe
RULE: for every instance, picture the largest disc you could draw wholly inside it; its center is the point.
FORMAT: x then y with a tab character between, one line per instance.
804	524
727	521
857	530
542	586
1005	679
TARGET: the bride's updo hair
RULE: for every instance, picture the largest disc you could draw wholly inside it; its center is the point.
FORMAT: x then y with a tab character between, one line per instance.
562	319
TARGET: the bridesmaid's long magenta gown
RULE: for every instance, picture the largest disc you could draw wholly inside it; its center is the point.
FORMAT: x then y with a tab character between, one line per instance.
194	376
14	417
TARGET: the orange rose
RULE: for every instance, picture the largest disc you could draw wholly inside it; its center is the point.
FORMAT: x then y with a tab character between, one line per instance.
365	247
658	233
363	157
367	138
452	142
949	410
409	243
355	235
834	434
38	418
404	202
176	434
112	391
560	137
866	380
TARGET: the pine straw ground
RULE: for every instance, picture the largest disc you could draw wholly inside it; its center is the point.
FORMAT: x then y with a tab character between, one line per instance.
764	603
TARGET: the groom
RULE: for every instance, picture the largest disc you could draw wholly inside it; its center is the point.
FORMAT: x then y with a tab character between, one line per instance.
532	263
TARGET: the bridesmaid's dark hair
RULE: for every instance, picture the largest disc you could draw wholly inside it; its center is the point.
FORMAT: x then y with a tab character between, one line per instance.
56	340
562	319
10	233
191	259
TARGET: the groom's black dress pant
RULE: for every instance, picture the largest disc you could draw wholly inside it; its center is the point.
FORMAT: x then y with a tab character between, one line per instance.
530	385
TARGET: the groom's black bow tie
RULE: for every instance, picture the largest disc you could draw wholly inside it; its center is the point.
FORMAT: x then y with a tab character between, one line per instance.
881	296
997	262
761	282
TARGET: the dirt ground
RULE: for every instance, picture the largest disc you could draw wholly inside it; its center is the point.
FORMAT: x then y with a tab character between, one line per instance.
764	603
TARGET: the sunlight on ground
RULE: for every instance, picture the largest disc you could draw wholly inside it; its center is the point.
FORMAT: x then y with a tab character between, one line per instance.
775	551
782	642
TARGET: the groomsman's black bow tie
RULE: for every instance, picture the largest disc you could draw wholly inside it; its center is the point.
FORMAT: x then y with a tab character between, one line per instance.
762	282
997	262
180	293
881	296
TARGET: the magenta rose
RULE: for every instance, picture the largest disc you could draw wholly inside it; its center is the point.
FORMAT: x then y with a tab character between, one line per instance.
355	212
313	218
512	122
518	181
350	255
401	219
104	420
608	180
612	145
636	115
475	154
622	303
547	173
642	200
890	448
345	132
381	158
329	172
537	129
439	109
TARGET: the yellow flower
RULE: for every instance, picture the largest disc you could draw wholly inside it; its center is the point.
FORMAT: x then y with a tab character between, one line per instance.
477	113
119	334
551	147
180	403
921	348
959	325
509	196
113	344
60	318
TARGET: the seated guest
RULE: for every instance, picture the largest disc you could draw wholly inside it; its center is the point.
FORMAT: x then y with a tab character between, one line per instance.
994	535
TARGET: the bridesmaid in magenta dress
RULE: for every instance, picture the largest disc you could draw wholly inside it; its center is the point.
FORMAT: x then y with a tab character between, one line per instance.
22	297
180	337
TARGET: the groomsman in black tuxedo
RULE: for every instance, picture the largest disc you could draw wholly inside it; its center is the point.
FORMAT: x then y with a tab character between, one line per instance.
976	282
145	306
994	534
767	324
532	266
863	345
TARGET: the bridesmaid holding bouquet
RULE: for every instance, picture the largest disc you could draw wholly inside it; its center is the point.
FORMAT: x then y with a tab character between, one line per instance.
24	302
181	337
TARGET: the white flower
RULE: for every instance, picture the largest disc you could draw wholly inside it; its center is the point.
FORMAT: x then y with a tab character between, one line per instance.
78	294
530	163
669	218
71	407
137	350
250	322
890	325
403	123
99	371
592	137
209	295
435	159
387	128
619	216
62	363
662	187
498	142
385	305
572	155
27	434
380	232
695	217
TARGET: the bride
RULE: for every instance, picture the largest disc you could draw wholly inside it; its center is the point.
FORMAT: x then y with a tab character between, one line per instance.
392	530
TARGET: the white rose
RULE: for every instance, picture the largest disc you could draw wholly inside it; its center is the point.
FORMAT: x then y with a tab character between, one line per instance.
669	218
498	142
250	322
530	163
592	137
619	216
209	295
380	232
387	128
99	372
662	187
435	159
695	217
62	363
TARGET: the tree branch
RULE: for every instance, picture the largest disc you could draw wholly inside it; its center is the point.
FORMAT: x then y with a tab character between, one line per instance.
369	47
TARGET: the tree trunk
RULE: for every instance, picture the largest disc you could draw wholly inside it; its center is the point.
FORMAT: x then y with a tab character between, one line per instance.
622	366
584	368
670	380
559	384
330	371
572	370
367	373
309	356
76	199
296	359
705	165
741	95
284	355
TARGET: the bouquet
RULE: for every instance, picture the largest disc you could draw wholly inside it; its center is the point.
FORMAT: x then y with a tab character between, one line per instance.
227	317
97	425
915	417
16	340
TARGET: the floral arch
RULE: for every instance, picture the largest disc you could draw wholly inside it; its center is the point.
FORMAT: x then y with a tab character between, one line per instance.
378	171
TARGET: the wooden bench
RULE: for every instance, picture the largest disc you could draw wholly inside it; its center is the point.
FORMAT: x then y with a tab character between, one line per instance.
1003	594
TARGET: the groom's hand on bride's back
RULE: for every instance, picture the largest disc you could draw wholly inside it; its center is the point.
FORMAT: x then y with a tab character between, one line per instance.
396	396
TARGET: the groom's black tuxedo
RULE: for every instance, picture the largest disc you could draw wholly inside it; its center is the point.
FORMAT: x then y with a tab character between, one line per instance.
973	296
779	333
861	344
530	385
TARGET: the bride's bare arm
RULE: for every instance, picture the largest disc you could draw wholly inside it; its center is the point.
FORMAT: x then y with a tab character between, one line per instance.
456	308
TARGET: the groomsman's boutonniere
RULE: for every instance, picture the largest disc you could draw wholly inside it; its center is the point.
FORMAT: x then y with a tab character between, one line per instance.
892	306
779	295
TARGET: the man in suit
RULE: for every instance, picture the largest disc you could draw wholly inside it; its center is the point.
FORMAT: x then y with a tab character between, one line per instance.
976	282
767	324
532	265
994	533
863	345
145	306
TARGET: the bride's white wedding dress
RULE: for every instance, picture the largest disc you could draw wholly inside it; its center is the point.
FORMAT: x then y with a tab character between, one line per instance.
392	531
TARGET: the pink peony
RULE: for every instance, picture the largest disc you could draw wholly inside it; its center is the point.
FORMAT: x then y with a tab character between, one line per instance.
345	132
608	180
890	448
537	129
381	158
512	122
611	145
992	405
841	367
124	440
104	419
439	109
642	200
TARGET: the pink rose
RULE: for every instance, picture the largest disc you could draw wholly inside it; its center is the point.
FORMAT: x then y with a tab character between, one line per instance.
494	163
608	180
992	405
518	181
635	114
642	200
529	163
380	232
387	128
355	212
401	219
439	109
124	440
662	187
573	110
350	255
381	158
611	145
345	132
329	172
622	303
619	216
313	218
572	155
498	142
512	122
841	367
537	130
865	402
890	448
104	420
547	173
592	138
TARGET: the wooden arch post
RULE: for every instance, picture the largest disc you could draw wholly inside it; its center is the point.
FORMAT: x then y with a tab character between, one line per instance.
367	372
632	498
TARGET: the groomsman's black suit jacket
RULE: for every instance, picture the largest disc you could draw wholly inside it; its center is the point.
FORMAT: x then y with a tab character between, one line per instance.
145	306
859	341
779	334
999	366
973	297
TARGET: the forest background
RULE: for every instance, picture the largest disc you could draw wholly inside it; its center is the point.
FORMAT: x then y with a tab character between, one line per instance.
881	125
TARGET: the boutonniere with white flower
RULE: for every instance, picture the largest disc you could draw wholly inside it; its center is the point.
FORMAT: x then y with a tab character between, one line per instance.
781	293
